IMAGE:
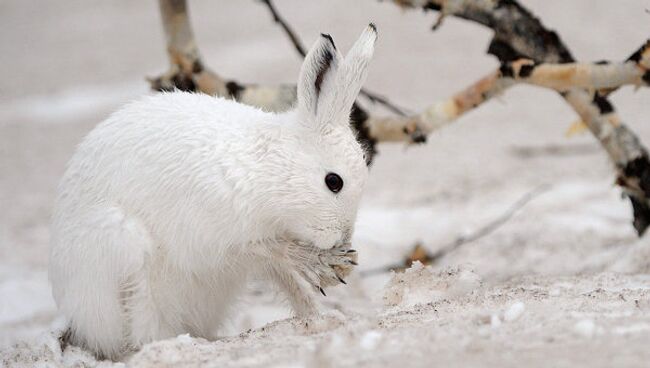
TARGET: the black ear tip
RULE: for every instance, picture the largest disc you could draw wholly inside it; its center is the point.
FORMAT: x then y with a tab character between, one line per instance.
329	38
373	27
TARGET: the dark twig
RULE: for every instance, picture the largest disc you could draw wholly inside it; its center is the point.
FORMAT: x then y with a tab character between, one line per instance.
487	229
300	48
375	98
287	29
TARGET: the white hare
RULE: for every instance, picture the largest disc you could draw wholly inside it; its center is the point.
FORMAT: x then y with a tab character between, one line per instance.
168	205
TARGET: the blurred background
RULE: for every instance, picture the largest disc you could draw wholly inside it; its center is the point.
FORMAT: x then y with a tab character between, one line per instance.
66	65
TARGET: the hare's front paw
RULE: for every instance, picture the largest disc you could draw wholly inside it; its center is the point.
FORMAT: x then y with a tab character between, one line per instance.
327	267
335	265
300	267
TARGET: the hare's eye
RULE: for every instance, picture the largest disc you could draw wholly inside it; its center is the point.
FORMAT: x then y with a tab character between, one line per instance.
334	182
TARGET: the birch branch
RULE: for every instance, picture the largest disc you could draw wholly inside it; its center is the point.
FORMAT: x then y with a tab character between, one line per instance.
188	73
416	127
563	77
605	76
518	34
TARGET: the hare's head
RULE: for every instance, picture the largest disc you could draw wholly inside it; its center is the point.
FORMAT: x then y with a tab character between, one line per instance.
327	171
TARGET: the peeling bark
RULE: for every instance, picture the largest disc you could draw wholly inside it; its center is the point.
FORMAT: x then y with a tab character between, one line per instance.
563	77
415	128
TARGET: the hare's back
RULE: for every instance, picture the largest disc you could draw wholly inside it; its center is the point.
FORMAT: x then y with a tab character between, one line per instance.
182	115
174	125
172	140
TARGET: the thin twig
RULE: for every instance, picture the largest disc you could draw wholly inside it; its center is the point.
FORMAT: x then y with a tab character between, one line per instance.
287	29
487	229
300	48
491	226
375	98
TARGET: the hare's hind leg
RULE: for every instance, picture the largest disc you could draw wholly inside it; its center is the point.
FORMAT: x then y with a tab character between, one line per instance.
96	258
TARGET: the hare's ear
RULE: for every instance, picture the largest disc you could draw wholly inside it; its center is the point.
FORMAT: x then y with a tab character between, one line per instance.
317	74
328	85
356	66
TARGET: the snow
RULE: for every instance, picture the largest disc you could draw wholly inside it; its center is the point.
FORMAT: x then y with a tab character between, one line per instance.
585	328
421	285
514	311
26	299
370	340
495	321
565	280
632	329
61	107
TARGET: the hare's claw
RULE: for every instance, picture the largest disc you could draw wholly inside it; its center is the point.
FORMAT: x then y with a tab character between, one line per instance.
322	268
335	265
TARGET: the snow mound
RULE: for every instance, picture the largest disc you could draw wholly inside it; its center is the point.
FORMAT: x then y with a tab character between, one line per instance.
421	285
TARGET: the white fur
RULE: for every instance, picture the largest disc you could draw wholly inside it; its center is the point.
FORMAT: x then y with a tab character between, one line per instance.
171	202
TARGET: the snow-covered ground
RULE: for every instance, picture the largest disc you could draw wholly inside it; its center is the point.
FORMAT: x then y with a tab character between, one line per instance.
565	282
